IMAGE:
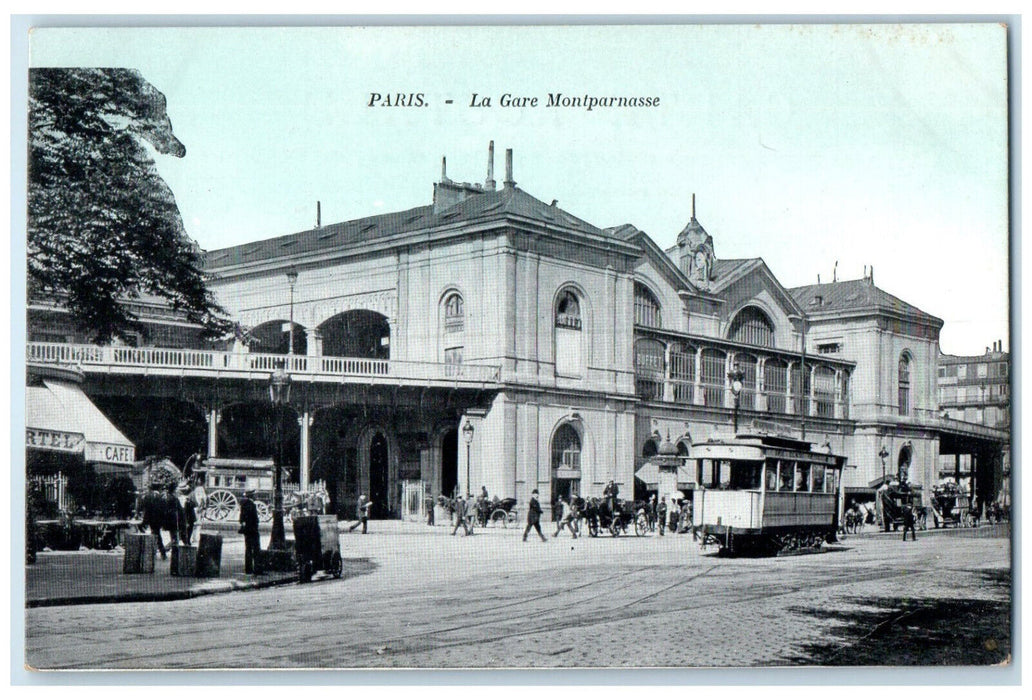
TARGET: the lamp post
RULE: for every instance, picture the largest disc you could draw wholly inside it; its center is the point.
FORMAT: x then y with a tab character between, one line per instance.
883	453
279	393
467	435
292	280
736	375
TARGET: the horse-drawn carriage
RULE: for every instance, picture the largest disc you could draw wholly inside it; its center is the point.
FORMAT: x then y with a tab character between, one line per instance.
224	482
600	514
952	507
894	499
494	512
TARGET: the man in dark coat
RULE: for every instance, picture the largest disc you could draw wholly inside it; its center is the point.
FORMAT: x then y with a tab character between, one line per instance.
909	522
461	507
609	494
249	528
189	518
154	516
534	517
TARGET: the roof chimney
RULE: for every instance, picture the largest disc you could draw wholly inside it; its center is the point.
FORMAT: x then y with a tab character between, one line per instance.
489	184
318	213
693	206
444	169
509	182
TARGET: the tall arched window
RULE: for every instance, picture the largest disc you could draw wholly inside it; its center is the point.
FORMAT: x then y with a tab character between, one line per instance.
747	364
751	326
904	384
454	315
568	337
453	338
714	374
824	391
775	384
646	308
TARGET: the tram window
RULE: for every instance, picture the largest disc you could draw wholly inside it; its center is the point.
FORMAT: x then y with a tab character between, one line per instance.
818	478
745	475
706	472
772	475
786	471
239	481
722	473
831	481
802	478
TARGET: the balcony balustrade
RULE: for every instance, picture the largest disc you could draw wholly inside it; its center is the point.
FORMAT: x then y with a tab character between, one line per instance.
220	363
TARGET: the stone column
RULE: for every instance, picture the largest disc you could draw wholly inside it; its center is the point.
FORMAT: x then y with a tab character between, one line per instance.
789	393
305	421
811	409
668	386
214	417
699	398
761	396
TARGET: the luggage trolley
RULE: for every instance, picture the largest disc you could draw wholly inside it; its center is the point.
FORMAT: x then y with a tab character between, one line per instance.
317	545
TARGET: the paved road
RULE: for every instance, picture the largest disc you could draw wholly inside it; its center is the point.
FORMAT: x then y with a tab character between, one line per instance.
431	600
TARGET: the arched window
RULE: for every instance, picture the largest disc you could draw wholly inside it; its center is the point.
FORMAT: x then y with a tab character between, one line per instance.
566	448
650	448
646	308
567	312
569	356
649	368
454	315
747	364
904	384
751	326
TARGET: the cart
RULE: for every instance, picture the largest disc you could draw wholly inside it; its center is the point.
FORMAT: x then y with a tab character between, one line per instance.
317	546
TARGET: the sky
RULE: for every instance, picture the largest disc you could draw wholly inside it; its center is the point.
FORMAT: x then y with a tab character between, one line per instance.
805	145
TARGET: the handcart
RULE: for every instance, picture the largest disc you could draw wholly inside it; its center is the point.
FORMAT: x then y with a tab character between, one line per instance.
317	545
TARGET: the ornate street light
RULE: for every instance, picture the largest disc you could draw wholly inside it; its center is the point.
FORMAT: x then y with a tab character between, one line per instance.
736	375
467	435
883	453
292	280
279	394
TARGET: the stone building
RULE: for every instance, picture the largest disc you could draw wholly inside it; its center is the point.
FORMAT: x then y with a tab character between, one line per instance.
490	339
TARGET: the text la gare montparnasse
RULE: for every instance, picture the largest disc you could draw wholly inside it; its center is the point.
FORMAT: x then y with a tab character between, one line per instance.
508	100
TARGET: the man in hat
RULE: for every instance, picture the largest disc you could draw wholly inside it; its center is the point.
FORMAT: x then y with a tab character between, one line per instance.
249	529
534	517
461	511
362	513
154	515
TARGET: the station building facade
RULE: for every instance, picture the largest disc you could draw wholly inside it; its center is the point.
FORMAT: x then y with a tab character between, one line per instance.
544	352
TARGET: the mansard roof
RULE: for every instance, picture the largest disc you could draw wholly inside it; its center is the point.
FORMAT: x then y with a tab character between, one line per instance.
509	202
855	296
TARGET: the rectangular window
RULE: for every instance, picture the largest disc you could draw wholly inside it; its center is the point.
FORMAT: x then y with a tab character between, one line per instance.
982	370
961	371
568	352
829	348
818	478
802	482
772	475
786	475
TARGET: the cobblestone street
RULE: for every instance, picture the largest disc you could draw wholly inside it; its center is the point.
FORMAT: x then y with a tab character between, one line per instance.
431	600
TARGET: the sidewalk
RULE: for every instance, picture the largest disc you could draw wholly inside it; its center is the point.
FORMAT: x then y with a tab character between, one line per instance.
95	576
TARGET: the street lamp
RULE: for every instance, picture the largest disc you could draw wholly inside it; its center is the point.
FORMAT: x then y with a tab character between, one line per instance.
467	435
883	453
279	394
292	280
736	375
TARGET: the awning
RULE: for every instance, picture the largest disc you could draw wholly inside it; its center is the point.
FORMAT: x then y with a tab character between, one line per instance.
60	417
649	473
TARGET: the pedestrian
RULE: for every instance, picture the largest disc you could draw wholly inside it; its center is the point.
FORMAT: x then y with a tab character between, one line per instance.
362	513
565	514
661	514
460	516
483	494
154	515
675	515
189	518
650	512
534	517
429	510
249	529
909	522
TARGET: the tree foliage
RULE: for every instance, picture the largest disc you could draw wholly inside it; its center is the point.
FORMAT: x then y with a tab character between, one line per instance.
103	226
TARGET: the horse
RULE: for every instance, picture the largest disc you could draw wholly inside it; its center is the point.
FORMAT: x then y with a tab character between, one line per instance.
161	511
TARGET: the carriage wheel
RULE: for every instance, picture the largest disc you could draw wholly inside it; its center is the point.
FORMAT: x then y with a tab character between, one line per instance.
641	525
499	518
220	505
336	565
510	518
264	514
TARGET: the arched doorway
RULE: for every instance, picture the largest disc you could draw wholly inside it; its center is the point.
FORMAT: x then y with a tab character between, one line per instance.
449	462
357	333
566	462
379	476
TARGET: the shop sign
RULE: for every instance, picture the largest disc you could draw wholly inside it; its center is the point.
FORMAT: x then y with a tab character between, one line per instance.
57	440
110	453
